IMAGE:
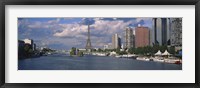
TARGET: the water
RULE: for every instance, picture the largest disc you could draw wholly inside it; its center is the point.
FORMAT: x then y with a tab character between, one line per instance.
64	62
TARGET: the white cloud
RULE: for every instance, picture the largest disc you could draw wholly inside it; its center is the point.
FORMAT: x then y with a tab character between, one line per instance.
54	21
75	34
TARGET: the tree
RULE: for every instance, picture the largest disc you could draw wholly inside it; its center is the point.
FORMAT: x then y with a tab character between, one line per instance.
99	50
118	50
131	50
73	51
80	54
171	50
28	51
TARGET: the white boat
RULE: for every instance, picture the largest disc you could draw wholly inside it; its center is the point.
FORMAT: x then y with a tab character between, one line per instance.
142	58
118	56
101	54
49	53
159	60
128	55
173	61
147	59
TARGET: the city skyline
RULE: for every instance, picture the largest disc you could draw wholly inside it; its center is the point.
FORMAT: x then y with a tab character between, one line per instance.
64	33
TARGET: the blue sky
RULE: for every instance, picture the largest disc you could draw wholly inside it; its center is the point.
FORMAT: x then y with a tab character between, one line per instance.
64	33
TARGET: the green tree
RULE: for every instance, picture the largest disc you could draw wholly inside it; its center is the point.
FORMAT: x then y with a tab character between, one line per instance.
118	50
80	54
131	50
99	50
28	51
171	50
73	51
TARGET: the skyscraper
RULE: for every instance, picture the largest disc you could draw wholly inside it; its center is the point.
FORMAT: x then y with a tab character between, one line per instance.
141	36
176	32
160	32
116	41
129	37
30	42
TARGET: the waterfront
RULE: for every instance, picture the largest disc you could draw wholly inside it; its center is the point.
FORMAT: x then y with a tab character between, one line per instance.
89	62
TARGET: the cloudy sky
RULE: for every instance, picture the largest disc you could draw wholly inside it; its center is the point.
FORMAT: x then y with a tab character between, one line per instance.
64	33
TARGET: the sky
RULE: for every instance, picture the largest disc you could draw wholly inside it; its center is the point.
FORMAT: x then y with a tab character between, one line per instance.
64	33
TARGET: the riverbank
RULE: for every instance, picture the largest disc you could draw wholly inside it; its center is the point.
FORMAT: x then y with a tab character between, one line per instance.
170	60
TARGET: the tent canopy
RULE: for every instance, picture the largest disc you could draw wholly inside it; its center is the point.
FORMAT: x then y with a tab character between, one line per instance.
158	53
166	53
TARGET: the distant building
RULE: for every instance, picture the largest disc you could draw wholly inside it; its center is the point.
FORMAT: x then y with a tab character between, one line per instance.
166	31
116	41
176	32
30	42
21	43
105	47
160	33
34	47
141	36
109	45
129	37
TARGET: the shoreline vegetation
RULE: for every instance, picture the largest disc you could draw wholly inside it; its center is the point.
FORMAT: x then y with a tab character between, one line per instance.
141	53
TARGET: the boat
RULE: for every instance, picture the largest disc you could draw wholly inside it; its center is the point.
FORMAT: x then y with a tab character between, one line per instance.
128	55
100	54
177	62
49	53
142	58
118	56
173	61
159	60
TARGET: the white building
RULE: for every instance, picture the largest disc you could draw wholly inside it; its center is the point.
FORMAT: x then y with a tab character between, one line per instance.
82	49
105	47
30	41
116	41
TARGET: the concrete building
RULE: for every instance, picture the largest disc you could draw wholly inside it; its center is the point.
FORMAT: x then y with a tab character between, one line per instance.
21	43
105	47
34	46
160	33
141	36
176	32
116	41
30	42
129	37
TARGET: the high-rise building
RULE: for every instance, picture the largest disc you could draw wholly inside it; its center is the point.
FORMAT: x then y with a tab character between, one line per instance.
129	37
160	33
34	46
176	32
141	36
116	41
30	42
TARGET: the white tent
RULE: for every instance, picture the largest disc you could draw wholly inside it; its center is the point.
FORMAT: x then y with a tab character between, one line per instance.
158	53
166	53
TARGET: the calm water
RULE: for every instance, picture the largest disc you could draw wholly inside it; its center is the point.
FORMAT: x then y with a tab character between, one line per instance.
64	62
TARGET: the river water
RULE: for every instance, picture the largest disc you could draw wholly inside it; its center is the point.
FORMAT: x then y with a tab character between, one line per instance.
88	62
